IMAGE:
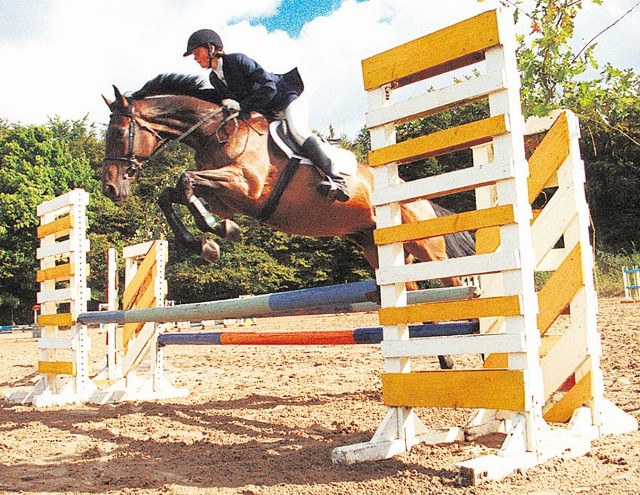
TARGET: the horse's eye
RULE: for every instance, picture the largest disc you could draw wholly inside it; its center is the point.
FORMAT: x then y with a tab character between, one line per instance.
130	173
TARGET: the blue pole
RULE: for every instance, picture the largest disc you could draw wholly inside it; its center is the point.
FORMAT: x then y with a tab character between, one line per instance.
263	305
343	298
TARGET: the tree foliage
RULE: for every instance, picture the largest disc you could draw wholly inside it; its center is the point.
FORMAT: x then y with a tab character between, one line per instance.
555	74
37	163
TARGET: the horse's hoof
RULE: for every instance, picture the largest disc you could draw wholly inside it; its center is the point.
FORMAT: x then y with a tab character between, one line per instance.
446	362
210	251
234	232
228	230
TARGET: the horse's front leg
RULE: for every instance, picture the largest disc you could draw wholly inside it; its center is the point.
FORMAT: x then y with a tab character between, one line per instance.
206	248
201	211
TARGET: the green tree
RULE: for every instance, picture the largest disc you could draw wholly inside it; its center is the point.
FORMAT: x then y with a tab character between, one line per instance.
557	75
35	165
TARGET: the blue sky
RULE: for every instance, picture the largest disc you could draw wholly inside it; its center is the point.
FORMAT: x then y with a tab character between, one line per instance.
292	15
59	56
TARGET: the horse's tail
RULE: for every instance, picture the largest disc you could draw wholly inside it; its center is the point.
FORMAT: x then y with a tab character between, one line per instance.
459	244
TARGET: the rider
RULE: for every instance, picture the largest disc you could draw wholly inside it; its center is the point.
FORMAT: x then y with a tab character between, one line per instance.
242	85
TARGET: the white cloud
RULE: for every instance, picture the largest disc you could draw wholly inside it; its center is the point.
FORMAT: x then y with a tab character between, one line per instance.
63	54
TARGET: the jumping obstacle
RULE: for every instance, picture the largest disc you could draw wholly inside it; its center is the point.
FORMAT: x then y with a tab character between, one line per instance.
145	288
519	390
631	280
15	328
515	391
133	368
67	373
64	344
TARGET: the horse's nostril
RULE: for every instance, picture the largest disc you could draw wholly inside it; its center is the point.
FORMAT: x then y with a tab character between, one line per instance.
109	191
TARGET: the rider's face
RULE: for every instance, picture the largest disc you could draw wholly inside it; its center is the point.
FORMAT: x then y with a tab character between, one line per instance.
201	55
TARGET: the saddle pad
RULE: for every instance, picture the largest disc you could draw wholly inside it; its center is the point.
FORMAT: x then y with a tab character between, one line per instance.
344	160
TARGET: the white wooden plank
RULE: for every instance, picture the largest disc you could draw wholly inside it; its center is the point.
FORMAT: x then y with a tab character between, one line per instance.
58	295
536	125
553	222
459	344
54	343
455	267
435	101
59	204
443	184
568	353
63	247
139	348
552	260
136	250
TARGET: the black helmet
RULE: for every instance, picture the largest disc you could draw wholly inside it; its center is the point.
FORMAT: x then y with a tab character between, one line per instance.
203	37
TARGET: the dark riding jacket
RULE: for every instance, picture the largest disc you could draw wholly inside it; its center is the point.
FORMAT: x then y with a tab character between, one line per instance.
253	87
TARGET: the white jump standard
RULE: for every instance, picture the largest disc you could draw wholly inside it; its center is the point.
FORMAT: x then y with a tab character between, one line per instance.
519	376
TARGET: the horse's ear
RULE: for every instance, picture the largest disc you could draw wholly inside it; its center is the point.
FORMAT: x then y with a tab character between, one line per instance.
119	97
107	101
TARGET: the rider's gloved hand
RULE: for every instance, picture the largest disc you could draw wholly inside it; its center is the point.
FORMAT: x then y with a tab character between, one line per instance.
231	105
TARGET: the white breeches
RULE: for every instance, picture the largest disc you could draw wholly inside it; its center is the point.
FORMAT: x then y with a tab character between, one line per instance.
297	117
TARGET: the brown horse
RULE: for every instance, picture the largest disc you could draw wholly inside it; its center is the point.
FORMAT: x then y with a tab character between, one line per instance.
240	170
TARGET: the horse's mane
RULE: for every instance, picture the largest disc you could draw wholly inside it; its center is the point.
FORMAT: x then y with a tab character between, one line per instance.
173	84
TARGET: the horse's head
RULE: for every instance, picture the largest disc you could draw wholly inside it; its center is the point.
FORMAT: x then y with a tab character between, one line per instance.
129	144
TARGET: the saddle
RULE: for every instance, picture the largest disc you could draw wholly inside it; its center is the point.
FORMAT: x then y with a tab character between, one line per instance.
344	161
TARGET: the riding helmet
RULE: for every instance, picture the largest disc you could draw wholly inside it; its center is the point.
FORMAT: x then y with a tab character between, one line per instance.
203	37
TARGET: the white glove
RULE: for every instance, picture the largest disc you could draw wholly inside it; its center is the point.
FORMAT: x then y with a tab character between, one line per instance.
231	105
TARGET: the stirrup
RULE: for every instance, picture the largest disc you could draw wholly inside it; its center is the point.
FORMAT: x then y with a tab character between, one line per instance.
333	190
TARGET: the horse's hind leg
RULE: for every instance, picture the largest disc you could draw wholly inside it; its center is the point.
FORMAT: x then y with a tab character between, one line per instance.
206	248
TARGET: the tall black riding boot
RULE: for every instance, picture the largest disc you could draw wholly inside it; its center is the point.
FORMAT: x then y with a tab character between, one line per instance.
333	186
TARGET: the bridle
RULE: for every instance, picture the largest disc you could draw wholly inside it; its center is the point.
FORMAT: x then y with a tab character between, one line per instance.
135	162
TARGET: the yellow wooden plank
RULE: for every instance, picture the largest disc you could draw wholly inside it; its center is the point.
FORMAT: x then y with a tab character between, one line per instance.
451	310
578	396
459	222
441	142
145	300
547	343
57	367
56	320
548	156
141	279
560	289
60	272
487	240
60	227
490	389
442	51
496	360
128	331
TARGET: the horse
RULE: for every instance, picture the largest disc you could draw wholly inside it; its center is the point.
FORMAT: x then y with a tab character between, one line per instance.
239	169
